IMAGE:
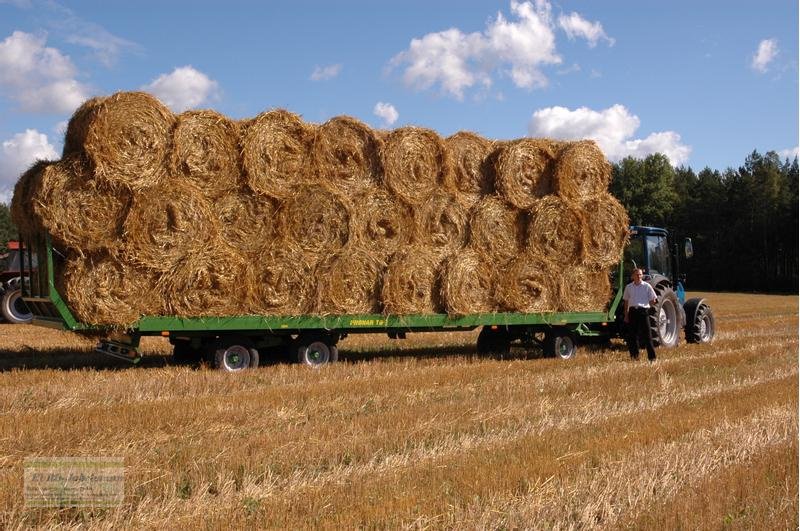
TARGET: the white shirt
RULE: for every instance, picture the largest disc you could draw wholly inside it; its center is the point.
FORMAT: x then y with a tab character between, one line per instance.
640	295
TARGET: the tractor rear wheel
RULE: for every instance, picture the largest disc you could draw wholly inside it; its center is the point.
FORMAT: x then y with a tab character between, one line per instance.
664	325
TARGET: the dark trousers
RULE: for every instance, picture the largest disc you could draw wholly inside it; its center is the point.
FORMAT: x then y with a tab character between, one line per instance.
639	333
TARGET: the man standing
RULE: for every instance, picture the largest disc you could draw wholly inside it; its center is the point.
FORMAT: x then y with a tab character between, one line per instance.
636	299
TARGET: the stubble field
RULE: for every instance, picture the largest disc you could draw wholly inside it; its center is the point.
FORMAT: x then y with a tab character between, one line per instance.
422	433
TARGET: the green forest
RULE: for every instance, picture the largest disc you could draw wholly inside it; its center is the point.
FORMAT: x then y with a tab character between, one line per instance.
743	222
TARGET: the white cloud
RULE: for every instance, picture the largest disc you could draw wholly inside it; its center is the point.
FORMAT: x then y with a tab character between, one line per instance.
18	153
767	51
184	88
39	78
611	128
322	73
790	153
575	25
457	61
386	112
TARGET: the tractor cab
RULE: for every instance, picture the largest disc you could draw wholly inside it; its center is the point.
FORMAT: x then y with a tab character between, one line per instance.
649	249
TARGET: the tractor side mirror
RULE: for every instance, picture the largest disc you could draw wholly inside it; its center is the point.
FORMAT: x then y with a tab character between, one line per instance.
688	249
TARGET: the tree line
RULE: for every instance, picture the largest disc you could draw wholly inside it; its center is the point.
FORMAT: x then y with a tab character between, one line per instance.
743	222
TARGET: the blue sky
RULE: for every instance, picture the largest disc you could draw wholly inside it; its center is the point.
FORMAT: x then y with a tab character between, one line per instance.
704	82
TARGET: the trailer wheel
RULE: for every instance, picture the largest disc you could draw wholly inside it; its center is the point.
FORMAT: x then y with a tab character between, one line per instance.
494	342
232	357
14	308
315	350
560	344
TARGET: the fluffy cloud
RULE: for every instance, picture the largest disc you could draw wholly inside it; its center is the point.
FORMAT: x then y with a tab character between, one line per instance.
39	78
184	88
611	128
322	73
386	112
575	25
517	47
767	51
17	154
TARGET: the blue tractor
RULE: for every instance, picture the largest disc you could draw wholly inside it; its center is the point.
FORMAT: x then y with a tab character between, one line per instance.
649	248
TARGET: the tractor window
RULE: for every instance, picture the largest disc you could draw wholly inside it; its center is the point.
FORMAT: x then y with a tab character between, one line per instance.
658	252
634	252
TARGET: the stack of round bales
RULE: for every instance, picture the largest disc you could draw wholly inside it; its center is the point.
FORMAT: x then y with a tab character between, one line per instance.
199	215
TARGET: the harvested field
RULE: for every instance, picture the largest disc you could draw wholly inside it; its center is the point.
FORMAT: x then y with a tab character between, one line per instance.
422	433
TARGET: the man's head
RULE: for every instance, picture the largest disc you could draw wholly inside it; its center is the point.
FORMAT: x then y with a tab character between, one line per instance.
636	276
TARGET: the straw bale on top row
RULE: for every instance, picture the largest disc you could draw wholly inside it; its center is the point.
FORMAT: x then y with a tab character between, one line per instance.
524	170
205	150
473	171
22	203
127	138
346	154
415	164
275	145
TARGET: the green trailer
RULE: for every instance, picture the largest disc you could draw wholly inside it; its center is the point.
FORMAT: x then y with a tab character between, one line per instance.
234	343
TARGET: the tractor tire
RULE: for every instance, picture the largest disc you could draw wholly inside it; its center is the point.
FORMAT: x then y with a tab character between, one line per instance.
494	342
700	326
665	319
14	309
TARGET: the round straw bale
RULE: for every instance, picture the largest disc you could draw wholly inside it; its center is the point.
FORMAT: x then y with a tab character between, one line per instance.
411	282
79	212
473	174
467	284
346	154
78	126
608	230
524	170
316	218
275	150
205	150
128	139
415	164
496	230
167	224
101	290
581	171
246	221
441	222
585	289
530	284
22	214
557	230
380	223
207	283
349	283
283	282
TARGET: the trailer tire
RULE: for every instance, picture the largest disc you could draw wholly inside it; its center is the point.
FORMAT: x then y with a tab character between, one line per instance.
560	344
14	309
665	319
494	342
232	357
315	350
